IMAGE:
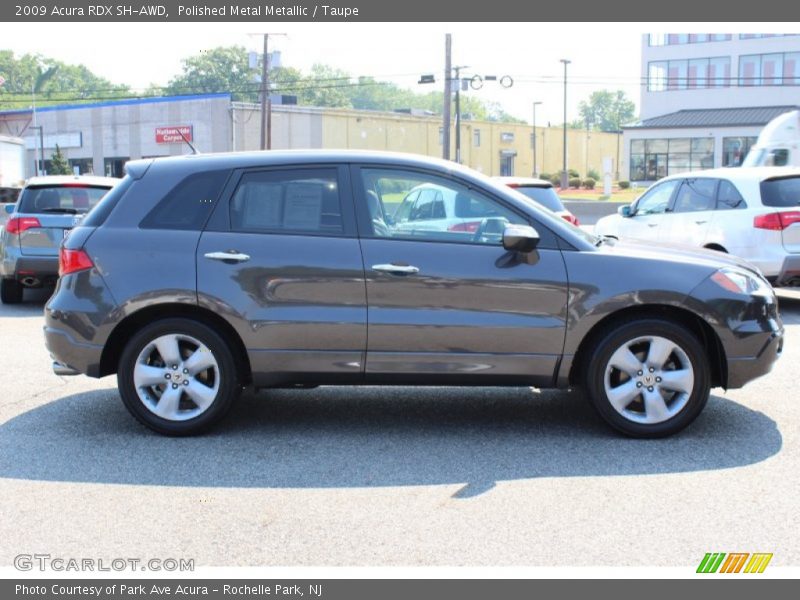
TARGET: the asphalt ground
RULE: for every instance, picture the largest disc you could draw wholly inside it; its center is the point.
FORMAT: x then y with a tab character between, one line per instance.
392	476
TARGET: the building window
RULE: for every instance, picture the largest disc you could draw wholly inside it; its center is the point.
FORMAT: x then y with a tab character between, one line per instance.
115	167
507	136
758	36
734	149
476	138
769	69
696	73
651	160
441	136
674	39
85	165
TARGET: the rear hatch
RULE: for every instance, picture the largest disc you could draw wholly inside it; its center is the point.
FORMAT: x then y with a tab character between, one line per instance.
51	211
782	194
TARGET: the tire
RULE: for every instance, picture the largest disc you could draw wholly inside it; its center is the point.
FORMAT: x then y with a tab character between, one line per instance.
199	375
637	401
11	291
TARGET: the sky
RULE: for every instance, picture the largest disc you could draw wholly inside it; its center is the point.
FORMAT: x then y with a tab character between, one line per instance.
603	55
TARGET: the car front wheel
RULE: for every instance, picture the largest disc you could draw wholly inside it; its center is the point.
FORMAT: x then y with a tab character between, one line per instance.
648	378
178	377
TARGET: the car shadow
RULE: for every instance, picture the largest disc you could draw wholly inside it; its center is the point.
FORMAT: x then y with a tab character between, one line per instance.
32	305
369	436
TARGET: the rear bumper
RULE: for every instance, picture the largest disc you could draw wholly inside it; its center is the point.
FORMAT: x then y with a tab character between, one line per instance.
790	271
18	266
71	355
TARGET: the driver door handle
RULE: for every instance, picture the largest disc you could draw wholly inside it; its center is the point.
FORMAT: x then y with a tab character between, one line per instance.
652	224
394	269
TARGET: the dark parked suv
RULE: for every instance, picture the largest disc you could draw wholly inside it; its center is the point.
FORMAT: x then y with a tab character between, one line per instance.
198	275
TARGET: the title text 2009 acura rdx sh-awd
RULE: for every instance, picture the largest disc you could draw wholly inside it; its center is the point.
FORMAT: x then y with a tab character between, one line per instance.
199	275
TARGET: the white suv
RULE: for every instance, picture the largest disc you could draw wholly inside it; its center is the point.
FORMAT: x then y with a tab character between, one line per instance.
753	213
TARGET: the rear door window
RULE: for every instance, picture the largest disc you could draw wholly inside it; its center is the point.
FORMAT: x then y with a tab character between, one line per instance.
695	195
288	200
781	192
188	205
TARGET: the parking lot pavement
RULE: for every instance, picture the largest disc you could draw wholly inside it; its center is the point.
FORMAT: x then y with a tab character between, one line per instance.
387	476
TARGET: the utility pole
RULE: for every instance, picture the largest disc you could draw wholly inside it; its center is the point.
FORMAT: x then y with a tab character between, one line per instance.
266	103
458	113
448	96
266	125
535	172
564	180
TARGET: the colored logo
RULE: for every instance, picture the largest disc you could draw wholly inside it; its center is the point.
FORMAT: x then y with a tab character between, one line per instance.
734	562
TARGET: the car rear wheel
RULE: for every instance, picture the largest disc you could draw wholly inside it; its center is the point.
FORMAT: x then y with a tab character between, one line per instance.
178	377
648	378
11	291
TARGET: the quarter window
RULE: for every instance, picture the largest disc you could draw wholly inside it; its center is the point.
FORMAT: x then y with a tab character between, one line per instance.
728	197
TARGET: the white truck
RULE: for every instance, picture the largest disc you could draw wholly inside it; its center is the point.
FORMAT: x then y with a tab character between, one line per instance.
778	143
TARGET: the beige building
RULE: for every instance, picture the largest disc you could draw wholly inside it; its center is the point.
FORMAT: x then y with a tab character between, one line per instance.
490	147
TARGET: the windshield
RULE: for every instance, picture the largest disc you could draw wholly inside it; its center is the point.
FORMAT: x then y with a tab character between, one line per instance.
74	198
546	196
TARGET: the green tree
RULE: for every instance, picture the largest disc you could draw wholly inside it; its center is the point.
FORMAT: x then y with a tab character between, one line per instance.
223	69
607	110
51	81
59	165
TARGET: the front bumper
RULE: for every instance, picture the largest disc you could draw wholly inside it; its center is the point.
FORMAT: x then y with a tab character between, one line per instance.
744	370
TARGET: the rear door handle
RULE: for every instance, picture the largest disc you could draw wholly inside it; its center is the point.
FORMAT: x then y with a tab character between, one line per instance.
396	269
652	224
701	222
229	256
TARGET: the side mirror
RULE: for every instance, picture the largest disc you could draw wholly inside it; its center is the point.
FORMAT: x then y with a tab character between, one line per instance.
520	238
626	210
10	208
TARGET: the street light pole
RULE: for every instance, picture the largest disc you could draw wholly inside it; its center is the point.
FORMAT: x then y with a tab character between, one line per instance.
535	172
564	170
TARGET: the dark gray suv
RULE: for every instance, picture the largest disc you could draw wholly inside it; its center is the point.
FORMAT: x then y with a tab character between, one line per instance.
199	275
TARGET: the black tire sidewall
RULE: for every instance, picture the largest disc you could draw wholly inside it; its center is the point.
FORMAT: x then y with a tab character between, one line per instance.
611	340
229	381
11	291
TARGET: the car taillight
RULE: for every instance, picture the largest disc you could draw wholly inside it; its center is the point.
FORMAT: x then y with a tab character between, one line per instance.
571	219
19	224
777	221
72	261
470	226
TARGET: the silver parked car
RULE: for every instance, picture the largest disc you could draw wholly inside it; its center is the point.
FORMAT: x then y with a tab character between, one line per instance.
47	208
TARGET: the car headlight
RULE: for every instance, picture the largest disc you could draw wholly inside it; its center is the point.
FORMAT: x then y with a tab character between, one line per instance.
740	281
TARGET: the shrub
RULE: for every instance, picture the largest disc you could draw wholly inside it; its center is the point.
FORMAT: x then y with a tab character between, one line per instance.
546	176
573	173
589	183
592	174
624	185
555	179
575	182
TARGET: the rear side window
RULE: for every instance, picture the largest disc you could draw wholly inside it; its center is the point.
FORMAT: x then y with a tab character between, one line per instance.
98	215
188	205
546	196
728	197
695	195
69	199
781	192
300	200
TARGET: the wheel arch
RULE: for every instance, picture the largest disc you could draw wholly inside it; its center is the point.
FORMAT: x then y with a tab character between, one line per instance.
682	316
135	321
